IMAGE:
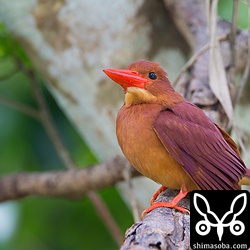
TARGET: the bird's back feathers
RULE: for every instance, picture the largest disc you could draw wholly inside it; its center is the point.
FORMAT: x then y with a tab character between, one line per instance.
205	152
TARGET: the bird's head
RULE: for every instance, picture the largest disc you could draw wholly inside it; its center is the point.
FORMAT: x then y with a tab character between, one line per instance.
143	82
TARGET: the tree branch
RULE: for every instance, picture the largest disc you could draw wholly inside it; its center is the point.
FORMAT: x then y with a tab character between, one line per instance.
45	116
193	59
72	183
21	107
162	228
106	216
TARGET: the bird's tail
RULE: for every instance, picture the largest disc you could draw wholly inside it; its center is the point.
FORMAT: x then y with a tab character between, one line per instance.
246	179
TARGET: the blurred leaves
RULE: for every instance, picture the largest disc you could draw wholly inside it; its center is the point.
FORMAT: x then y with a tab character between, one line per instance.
225	11
48	223
9	47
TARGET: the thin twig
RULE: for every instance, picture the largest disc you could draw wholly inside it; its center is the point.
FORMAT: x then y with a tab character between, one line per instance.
50	126
194	58
20	107
105	215
189	63
46	118
64	153
8	75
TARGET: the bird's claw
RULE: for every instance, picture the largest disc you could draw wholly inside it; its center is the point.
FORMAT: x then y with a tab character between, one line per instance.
156	194
164	204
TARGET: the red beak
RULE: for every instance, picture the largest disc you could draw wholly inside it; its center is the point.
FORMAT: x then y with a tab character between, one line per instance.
126	78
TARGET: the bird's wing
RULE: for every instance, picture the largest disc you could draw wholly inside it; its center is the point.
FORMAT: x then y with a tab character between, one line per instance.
199	146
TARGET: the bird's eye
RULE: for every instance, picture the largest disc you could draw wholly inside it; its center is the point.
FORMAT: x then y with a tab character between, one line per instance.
152	75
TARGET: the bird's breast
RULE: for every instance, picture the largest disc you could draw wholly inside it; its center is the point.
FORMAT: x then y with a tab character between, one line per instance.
144	150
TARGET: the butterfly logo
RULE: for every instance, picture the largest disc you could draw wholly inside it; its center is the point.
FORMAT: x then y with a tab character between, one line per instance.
203	227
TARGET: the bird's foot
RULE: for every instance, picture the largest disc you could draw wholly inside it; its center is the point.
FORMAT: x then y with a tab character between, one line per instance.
164	204
156	194
172	204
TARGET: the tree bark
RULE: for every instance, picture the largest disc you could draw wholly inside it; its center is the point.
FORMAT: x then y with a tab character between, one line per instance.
191	19
162	228
73	183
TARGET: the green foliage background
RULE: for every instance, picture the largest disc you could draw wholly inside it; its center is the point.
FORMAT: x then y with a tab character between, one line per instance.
53	223
46	223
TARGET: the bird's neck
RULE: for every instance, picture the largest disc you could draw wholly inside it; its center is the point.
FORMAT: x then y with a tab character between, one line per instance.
165	97
138	95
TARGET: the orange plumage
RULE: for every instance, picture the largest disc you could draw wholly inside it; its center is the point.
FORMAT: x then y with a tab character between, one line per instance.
170	140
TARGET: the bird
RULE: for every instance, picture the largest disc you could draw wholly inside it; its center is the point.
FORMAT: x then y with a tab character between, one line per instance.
170	140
